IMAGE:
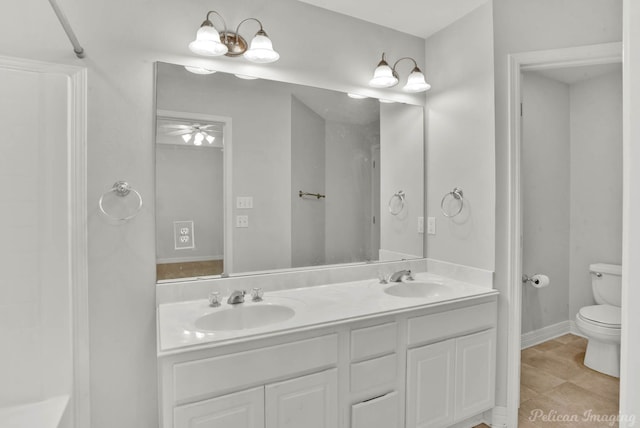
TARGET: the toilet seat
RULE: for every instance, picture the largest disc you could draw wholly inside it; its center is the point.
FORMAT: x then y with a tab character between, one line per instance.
602	315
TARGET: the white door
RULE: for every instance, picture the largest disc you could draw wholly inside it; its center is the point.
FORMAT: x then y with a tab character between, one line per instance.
305	402
243	409
430	383
475	373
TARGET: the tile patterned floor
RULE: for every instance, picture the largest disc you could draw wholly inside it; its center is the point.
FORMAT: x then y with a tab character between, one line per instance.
557	390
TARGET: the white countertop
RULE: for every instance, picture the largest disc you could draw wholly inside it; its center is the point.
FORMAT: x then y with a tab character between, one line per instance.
317	306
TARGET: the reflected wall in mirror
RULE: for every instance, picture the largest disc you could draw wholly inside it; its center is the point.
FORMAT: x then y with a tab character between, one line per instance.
351	155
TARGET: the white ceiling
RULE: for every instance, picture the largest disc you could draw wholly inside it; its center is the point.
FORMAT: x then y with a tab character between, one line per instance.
420	18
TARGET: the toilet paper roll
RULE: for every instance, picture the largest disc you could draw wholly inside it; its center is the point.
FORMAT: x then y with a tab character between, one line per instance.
539	280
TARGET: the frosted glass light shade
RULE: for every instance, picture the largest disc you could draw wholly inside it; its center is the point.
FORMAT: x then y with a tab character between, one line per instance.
383	76
198	70
197	140
207	42
261	50
416	82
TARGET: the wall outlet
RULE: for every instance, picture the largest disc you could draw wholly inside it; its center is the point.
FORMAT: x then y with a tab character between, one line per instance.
420	224
431	225
242	221
244	202
183	235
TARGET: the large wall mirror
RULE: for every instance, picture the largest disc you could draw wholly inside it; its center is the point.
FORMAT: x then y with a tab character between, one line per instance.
257	175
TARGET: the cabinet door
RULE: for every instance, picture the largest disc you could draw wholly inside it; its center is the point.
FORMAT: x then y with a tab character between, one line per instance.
308	401
239	410
475	373
430	383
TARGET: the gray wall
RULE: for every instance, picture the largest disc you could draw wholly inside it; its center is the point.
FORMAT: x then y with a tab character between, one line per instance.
461	139
308	217
401	168
190	185
349	191
596	181
546	200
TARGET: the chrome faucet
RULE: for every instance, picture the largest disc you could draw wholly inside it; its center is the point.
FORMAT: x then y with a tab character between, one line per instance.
236	297
400	275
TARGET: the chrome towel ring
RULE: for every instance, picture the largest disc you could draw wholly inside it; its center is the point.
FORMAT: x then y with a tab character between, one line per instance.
456	193
122	189
400	195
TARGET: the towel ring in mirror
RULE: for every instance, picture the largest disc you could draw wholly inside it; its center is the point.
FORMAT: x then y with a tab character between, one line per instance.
400	195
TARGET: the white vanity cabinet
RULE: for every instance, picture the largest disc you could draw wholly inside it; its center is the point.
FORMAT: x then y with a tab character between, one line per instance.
309	401
420	367
451	380
246	386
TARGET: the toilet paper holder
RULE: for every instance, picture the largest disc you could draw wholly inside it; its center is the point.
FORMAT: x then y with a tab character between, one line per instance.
526	279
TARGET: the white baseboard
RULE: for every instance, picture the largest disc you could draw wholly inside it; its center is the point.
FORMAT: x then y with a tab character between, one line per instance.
498	417
546	333
573	329
469	423
189	259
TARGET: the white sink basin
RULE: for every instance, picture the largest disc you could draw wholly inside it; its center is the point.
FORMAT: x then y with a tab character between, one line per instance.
418	289
241	317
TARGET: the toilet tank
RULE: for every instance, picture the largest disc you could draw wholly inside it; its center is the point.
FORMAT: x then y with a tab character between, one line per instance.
606	281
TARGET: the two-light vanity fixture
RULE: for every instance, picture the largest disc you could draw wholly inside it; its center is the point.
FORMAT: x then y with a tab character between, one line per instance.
385	76
210	42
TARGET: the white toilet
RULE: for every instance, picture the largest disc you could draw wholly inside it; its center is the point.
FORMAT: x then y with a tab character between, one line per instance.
601	323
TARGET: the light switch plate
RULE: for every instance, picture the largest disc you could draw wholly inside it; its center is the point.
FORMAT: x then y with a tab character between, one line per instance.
431	225
244	202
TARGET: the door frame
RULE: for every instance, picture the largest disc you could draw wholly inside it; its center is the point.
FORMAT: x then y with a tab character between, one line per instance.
77	216
517	63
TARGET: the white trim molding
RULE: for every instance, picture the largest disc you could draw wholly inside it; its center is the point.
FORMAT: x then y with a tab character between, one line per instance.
77	218
499	417
557	58
543	334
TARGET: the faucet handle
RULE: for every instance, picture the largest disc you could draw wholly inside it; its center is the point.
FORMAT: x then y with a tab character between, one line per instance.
214	299
256	294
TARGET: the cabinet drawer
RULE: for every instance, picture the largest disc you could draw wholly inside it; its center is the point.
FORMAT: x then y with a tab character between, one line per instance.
456	322
373	341
381	412
371	374
245	409
201	378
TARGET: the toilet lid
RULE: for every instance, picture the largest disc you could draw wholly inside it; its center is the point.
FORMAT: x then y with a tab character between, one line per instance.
602	314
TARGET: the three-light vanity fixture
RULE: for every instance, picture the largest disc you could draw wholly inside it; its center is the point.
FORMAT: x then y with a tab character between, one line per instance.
210	42
385	76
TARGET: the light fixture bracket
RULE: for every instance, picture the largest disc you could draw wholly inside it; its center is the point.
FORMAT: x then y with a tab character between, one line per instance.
236	44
